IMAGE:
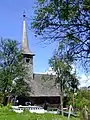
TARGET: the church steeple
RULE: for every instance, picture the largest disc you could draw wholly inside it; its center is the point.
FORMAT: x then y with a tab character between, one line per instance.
25	45
27	54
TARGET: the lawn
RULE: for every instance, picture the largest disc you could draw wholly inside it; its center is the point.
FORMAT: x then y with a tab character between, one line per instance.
31	116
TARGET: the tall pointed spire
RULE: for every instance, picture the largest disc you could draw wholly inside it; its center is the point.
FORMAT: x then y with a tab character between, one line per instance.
25	45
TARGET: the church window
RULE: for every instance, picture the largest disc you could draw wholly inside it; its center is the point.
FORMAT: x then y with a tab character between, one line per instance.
27	60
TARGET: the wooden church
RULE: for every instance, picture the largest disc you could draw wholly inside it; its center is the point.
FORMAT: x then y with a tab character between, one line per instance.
43	89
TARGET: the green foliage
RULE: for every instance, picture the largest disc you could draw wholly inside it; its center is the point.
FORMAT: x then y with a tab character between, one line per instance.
67	22
5	108
62	67
12	70
82	99
65	80
31	116
1	96
21	88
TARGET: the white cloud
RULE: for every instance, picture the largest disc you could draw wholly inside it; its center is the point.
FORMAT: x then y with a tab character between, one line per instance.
73	69
50	71
84	80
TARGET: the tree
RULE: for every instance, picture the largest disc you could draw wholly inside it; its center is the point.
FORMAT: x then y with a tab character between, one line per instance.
82	99
64	79
83	103
68	22
73	86
12	70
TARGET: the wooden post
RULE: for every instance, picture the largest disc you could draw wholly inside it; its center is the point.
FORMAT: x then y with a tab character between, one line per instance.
70	110
85	113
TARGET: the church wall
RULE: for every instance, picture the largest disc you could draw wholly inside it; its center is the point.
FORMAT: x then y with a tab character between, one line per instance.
51	101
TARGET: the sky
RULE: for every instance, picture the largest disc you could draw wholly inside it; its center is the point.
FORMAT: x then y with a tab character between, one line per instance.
11	12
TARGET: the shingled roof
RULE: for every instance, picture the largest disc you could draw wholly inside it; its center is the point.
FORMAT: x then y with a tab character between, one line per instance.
43	85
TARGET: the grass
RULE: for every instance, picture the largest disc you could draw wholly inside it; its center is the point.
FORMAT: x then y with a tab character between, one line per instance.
31	116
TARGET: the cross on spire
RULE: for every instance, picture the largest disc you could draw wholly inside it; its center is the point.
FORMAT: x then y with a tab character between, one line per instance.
24	15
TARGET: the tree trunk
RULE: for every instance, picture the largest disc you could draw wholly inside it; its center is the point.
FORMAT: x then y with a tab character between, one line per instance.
61	101
61	98
4	101
9	99
73	99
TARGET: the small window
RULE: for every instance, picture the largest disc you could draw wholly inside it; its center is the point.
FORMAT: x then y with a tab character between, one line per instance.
27	60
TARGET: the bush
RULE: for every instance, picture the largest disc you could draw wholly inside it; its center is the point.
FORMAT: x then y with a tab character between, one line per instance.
82	99
5	108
